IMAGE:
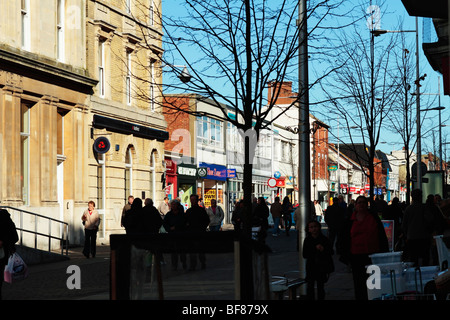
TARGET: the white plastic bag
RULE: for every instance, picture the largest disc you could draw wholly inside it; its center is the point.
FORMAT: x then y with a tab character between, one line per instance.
16	269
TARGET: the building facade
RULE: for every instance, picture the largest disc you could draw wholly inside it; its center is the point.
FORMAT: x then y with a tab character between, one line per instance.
124	47
44	113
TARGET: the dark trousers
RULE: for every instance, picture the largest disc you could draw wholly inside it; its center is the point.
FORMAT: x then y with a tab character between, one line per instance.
359	263
90	238
311	280
418	251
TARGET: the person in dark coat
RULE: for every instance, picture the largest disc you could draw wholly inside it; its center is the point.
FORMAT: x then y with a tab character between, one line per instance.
334	218
260	218
317	251
133	217
175	222
8	238
151	218
197	220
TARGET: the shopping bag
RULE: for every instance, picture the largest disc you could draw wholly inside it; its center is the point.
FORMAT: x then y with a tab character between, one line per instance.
16	269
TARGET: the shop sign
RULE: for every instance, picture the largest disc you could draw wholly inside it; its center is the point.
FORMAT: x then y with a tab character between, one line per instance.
277	175
202	172
170	166
186	171
214	171
281	182
231	173
332	167
101	145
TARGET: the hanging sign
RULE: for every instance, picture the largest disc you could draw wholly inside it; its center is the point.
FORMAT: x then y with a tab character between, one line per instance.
101	145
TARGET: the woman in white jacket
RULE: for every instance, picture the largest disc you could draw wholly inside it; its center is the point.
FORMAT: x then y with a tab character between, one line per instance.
91	220
216	216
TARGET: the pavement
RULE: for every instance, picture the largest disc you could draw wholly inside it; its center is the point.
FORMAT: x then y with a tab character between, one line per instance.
56	280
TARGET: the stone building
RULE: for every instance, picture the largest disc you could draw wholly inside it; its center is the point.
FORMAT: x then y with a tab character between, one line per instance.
72	71
44	116
124	42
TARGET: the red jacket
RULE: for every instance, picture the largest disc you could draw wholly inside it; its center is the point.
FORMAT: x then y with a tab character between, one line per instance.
364	235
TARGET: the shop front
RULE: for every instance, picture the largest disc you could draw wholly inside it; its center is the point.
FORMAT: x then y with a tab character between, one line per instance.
171	187
186	183
213	185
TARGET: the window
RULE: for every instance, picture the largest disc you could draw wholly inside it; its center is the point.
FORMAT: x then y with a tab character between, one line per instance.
128	77
60	30
25	152
128	174
151	13
153	175
25	11
101	67
152	85
128	6
209	131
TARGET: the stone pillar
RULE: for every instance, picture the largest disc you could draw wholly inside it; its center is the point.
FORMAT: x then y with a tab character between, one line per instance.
10	120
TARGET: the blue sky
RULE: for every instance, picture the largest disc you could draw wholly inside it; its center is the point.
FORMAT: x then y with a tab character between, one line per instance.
393	12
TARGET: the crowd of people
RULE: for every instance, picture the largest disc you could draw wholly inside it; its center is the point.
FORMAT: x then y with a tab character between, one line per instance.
355	232
171	217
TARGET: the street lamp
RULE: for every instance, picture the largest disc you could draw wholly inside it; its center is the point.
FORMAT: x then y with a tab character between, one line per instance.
379	32
184	75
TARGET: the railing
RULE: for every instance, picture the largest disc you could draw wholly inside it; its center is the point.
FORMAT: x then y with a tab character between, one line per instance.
63	225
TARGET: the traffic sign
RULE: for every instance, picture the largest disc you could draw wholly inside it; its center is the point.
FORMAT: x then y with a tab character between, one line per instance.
272	182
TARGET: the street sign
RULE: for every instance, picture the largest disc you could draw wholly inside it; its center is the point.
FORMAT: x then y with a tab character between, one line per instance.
423	169
101	145
272	182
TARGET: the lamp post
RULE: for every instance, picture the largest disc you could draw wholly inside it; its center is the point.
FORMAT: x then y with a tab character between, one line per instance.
440	108
304	174
417	82
440	124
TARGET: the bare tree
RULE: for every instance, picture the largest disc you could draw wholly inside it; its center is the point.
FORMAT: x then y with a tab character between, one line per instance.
233	49
363	92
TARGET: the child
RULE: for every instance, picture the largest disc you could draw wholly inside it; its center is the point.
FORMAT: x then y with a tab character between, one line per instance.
318	252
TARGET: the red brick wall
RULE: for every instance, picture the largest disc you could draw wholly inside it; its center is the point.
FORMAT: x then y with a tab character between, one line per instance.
176	119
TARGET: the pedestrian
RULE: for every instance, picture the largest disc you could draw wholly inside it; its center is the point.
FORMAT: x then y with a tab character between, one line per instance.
260	218
133	218
334	218
287	214
237	216
318	252
175	222
364	235
197	220
394	212
125	209
163	207
318	210
216	215
437	227
91	221
276	210
417	227
151	218
152	223
8	239
298	223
